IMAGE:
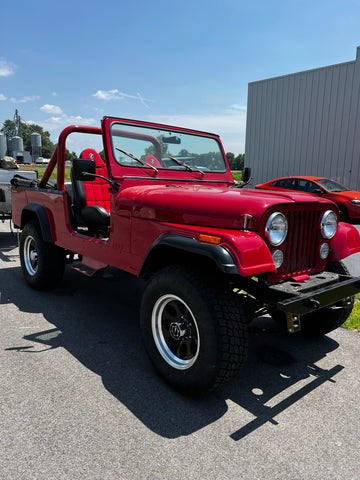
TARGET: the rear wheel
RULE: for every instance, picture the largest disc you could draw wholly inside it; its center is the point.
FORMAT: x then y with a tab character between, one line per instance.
326	319
42	263
193	330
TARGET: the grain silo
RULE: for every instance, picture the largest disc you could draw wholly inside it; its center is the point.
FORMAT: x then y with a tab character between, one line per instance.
3	145
35	139
17	148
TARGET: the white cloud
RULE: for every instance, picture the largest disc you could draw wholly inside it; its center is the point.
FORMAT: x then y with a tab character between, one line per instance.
78	143
230	125
109	95
236	106
57	123
6	68
28	98
115	94
75	142
51	109
2	97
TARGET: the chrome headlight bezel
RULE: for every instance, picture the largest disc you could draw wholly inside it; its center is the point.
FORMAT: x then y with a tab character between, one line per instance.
276	229
328	224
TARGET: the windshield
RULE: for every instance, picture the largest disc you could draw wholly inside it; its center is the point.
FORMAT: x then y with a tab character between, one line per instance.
165	149
331	186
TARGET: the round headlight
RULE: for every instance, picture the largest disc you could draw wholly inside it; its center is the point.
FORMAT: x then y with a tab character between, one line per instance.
276	228
328	225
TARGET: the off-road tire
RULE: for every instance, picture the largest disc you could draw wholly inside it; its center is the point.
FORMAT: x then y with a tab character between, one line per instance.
42	263
326	319
214	344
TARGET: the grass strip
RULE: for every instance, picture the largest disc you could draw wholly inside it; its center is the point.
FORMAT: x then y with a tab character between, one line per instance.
353	322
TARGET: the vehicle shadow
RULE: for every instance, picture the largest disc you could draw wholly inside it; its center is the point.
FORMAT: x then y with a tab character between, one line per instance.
282	370
8	241
96	321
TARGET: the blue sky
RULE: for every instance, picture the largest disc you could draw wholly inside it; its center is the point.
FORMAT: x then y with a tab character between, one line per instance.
183	63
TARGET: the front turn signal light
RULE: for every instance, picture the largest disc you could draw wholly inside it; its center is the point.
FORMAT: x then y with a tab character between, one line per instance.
209	239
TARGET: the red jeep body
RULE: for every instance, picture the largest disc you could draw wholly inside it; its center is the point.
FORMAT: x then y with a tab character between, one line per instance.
169	199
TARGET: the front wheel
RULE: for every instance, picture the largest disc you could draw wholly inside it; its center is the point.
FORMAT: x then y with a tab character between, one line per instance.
42	263
193	330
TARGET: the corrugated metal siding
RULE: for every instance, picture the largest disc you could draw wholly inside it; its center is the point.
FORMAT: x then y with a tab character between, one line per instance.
307	123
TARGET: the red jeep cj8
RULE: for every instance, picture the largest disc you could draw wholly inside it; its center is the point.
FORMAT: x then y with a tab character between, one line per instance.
165	207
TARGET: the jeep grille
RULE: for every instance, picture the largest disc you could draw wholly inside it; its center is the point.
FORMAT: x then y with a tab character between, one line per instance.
302	242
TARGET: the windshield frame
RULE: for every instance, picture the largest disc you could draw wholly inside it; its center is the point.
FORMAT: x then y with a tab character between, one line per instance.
135	130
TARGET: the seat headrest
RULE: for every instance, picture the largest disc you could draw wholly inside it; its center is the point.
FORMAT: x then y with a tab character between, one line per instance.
93	155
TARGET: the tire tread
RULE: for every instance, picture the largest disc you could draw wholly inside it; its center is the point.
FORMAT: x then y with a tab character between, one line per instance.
228	318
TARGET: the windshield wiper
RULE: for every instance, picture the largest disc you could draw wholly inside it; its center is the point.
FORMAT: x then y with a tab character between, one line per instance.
134	157
183	164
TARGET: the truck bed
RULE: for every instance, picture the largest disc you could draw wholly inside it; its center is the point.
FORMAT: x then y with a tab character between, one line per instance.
5	188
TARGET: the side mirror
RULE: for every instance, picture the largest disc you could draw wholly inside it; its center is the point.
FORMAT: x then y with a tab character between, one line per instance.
246	175
84	169
319	190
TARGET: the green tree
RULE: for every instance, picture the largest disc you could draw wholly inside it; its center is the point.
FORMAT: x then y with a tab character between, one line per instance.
102	155
152	151
236	163
231	159
47	146
70	155
240	161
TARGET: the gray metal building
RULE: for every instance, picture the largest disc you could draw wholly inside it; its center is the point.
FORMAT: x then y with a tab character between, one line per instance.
306	123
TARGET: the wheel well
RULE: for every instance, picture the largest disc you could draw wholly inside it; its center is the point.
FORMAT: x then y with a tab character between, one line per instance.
37	213
164	255
27	216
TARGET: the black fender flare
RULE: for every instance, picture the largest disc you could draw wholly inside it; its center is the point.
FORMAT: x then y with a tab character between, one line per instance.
218	253
39	212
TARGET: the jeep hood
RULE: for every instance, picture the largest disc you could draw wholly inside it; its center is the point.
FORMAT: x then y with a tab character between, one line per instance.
203	205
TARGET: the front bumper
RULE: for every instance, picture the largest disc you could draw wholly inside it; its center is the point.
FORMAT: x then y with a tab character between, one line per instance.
321	290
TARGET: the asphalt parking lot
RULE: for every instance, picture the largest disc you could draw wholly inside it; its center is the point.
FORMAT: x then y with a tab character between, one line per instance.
79	399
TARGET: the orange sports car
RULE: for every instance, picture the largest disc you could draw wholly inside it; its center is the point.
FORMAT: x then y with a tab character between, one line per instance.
347	200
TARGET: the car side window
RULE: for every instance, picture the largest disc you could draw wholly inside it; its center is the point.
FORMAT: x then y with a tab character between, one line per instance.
279	183
289	183
304	185
313	187
307	185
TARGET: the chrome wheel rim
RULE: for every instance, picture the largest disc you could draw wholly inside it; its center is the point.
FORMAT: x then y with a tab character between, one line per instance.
175	332
30	256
